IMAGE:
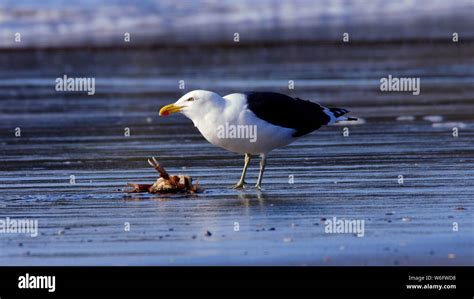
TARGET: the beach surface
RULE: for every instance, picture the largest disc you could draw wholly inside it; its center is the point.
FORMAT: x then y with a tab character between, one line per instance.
399	169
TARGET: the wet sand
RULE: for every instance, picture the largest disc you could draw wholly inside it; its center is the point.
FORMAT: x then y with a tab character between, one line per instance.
353	177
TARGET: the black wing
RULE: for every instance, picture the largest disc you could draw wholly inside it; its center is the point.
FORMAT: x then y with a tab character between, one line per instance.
285	111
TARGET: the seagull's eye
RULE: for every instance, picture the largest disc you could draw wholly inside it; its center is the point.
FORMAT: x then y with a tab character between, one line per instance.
190	99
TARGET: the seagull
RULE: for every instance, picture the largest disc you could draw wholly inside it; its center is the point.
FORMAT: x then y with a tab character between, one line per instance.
253	123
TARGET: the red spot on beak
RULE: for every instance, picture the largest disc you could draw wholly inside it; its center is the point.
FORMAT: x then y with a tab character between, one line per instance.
165	113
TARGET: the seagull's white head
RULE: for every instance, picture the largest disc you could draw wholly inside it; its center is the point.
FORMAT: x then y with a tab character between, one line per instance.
194	104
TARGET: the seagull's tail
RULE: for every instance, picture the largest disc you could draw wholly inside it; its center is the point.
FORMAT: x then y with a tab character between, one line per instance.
337	114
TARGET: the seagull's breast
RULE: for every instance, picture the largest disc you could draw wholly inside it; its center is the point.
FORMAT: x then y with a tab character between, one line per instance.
236	128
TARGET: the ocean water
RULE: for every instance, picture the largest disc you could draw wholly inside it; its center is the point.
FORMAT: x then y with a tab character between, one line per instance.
353	177
62	23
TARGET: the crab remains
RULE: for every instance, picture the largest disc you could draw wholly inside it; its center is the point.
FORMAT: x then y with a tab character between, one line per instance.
165	183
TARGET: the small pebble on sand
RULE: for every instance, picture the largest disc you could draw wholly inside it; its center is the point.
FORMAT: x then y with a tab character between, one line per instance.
406	118
433	118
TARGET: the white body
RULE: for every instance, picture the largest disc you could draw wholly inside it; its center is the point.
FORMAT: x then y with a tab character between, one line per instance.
231	111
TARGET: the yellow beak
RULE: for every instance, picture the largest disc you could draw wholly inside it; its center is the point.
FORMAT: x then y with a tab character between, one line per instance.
169	109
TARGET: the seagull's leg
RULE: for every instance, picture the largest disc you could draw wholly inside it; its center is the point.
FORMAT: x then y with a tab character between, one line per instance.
241	183
263	161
